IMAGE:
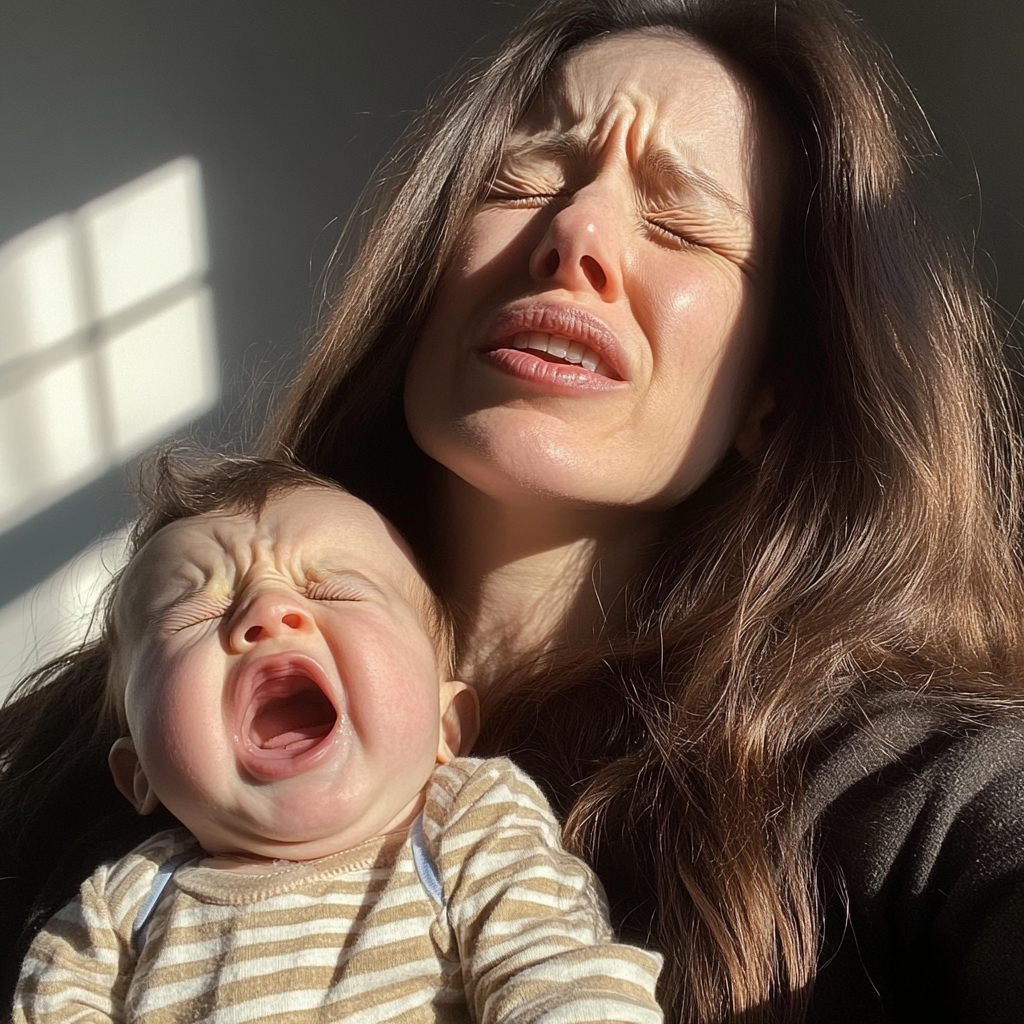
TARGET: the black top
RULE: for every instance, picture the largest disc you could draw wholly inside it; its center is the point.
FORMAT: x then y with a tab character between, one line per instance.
921	869
918	830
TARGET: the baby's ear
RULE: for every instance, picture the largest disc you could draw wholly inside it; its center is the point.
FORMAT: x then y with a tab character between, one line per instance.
129	777
460	720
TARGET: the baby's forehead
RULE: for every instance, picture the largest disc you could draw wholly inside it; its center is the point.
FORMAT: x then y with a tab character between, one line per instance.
299	534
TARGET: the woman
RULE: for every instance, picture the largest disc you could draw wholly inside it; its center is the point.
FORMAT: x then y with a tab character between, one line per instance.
743	593
702	428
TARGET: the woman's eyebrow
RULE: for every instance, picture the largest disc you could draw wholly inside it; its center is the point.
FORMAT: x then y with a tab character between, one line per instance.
662	170
562	146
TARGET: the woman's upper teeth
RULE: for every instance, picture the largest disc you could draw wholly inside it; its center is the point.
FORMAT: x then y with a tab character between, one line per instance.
559	347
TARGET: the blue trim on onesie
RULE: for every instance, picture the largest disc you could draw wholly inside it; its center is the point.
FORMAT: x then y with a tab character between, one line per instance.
160	880
425	867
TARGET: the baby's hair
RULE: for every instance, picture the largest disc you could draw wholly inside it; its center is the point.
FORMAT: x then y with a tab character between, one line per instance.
58	724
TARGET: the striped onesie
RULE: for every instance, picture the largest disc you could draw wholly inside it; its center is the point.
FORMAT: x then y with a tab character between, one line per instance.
477	914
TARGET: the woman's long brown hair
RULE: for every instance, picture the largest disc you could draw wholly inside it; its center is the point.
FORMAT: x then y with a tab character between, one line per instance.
873	551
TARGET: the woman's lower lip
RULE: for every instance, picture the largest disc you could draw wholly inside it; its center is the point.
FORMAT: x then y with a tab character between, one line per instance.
557	378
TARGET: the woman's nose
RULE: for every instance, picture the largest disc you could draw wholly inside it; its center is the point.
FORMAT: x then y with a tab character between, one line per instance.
579	250
268	615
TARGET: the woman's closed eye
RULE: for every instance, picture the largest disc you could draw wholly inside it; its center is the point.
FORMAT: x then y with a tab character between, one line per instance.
532	197
527	186
530	201
674	233
687	230
675	223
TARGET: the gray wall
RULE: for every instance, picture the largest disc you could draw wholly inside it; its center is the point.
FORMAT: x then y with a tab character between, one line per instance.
289	105
965	61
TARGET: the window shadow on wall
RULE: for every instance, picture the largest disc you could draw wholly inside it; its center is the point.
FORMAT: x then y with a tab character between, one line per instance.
106	347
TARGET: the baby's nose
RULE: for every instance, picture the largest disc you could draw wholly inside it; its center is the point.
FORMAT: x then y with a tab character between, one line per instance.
267	615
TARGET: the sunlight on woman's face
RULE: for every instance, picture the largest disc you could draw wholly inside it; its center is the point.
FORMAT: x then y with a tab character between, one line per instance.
597	338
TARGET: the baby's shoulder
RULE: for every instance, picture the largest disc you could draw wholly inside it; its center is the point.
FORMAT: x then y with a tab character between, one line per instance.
124	879
111	897
157	850
470	798
495	782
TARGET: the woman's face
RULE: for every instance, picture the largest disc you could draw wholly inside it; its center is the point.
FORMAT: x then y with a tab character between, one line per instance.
596	339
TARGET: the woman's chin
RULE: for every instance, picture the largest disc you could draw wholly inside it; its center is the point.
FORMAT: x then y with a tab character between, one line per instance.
557	482
522	469
527	460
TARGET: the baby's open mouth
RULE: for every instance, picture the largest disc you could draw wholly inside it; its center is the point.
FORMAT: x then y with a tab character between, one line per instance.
285	713
289	714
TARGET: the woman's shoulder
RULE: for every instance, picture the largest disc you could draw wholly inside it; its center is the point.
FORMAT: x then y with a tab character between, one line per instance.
921	759
919	818
918	747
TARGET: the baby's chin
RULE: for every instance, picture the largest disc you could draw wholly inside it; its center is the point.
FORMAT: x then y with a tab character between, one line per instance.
253	850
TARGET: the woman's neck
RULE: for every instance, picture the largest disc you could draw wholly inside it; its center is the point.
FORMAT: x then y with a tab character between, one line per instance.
524	581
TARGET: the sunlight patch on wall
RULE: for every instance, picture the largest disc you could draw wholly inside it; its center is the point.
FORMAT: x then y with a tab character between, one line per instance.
106	336
55	615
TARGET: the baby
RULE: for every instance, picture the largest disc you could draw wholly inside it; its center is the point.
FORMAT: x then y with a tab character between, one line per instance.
282	676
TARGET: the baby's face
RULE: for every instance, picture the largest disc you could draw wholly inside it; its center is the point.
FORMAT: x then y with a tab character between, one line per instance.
282	690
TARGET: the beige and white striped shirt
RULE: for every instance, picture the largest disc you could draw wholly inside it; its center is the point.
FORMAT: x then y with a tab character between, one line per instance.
516	930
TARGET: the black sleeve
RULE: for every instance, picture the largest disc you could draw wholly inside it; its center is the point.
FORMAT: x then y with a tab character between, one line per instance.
976	888
921	864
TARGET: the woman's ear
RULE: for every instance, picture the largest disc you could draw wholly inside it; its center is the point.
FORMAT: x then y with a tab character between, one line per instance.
750	439
460	720
129	777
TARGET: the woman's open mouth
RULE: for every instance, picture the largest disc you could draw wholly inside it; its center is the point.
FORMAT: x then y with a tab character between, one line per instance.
557	348
548	372
283	715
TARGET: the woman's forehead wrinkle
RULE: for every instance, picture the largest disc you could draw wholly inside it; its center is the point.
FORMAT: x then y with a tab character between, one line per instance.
626	120
579	127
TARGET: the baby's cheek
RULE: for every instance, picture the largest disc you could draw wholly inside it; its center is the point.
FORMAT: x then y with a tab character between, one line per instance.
414	716
181	743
